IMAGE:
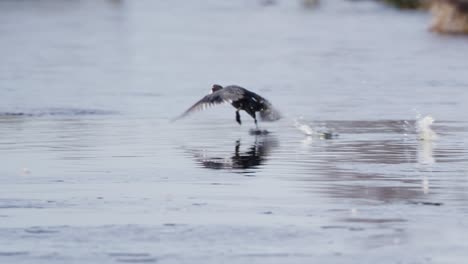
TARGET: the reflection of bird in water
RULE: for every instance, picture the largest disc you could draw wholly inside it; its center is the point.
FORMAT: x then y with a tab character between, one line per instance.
253	157
241	99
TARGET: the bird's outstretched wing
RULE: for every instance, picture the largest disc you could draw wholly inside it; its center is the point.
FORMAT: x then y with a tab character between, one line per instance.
225	95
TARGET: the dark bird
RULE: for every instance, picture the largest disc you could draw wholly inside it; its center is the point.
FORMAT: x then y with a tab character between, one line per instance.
241	99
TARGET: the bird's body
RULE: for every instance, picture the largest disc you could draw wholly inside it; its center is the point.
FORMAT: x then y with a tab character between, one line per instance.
241	99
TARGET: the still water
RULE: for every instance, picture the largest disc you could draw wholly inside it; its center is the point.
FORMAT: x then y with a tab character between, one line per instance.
93	171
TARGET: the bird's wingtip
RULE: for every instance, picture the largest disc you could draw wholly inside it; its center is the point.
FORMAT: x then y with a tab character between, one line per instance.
174	119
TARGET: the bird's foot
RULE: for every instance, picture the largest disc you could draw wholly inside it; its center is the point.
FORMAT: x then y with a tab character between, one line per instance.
257	132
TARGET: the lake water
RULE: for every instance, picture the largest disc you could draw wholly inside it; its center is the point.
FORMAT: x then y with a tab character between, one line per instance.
93	171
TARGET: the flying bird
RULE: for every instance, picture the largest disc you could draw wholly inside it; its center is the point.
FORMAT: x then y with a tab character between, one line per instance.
241	99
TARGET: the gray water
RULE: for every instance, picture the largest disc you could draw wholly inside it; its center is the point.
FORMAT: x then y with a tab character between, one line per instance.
93	171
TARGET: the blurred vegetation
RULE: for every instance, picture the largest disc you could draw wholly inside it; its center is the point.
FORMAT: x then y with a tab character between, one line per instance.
408	4
404	4
450	16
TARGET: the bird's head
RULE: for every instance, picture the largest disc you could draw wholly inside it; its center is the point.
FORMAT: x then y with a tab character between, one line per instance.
216	87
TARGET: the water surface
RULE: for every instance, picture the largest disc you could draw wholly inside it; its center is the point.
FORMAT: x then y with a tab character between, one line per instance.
93	170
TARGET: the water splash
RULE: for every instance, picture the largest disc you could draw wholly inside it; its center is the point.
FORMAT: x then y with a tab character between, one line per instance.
304	128
310	132
423	127
425	150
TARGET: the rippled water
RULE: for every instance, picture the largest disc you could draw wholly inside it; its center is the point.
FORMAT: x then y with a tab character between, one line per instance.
93	171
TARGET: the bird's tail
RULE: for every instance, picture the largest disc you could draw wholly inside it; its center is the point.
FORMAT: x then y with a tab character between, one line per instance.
269	113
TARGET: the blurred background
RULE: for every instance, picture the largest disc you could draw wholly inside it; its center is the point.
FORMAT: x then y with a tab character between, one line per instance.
93	170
